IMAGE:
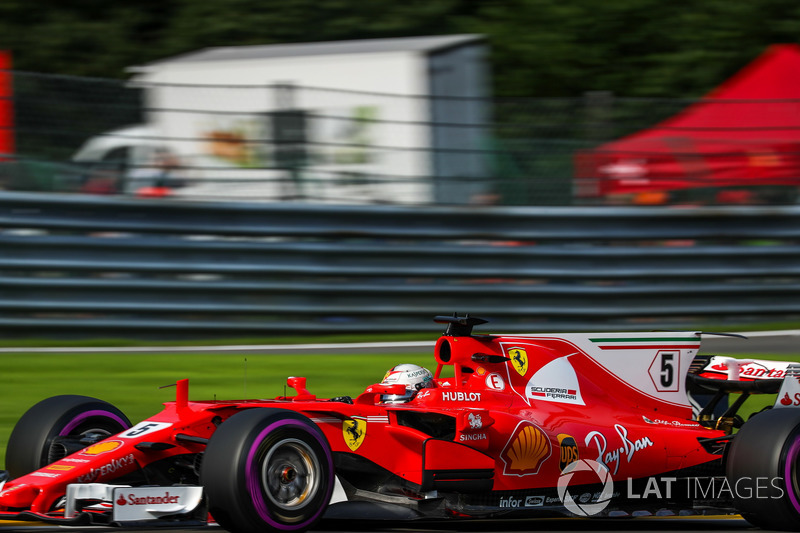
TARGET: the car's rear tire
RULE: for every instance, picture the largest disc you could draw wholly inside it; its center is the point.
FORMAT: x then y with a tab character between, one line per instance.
763	469
67	416
267	469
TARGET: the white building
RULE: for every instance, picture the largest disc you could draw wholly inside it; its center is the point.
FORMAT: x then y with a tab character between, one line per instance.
377	120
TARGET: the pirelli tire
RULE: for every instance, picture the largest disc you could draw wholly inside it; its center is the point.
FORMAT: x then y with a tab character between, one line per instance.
763	469
59	417
267	470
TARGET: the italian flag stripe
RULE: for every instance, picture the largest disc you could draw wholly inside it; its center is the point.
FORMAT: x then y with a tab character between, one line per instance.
645	339
645	346
661	343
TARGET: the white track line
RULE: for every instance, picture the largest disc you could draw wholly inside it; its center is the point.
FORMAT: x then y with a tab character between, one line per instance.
286	347
227	348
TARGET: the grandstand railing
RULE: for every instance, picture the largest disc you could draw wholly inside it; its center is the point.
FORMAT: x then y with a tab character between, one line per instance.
85	265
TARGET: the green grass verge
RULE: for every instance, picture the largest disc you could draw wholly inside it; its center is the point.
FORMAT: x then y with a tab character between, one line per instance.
131	381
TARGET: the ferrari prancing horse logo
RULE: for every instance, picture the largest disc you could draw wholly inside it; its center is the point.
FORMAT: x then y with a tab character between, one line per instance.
519	358
354	431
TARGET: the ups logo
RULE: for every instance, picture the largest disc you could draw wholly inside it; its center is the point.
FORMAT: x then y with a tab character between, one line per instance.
569	450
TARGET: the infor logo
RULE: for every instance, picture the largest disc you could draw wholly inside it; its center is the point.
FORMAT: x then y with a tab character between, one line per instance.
585	504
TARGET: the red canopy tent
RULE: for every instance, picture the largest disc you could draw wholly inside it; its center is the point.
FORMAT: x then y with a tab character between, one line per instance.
745	133
6	105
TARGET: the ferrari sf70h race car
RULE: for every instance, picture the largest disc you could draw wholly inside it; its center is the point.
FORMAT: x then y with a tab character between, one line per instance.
607	425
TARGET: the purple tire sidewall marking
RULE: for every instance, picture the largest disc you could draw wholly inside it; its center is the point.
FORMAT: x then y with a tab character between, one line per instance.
788	479
252	478
75	422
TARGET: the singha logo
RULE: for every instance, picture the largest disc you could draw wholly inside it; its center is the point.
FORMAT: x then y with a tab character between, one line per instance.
475	421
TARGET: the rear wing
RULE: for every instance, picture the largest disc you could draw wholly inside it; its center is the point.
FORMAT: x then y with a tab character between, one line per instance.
789	395
728	374
720	376
733	369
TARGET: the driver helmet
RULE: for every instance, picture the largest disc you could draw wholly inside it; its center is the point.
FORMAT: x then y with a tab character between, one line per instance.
414	377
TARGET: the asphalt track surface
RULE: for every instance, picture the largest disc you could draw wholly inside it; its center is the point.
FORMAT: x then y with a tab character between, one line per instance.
635	525
785	342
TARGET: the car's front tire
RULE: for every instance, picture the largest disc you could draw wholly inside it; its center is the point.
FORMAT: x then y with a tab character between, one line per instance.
267	469
65	417
763	469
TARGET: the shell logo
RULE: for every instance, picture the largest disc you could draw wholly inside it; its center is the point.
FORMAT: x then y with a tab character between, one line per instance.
526	450
102	447
59	467
519	360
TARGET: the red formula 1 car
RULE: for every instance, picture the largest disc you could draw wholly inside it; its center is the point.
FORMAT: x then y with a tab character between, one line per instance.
507	426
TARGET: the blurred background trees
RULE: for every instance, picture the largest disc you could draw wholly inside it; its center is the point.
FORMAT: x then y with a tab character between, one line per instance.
539	47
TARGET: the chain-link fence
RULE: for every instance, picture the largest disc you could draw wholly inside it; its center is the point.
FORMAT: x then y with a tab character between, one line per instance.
284	142
53	117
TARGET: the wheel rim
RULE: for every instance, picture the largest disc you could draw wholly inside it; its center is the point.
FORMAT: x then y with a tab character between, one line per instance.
102	425
790	472
289	474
